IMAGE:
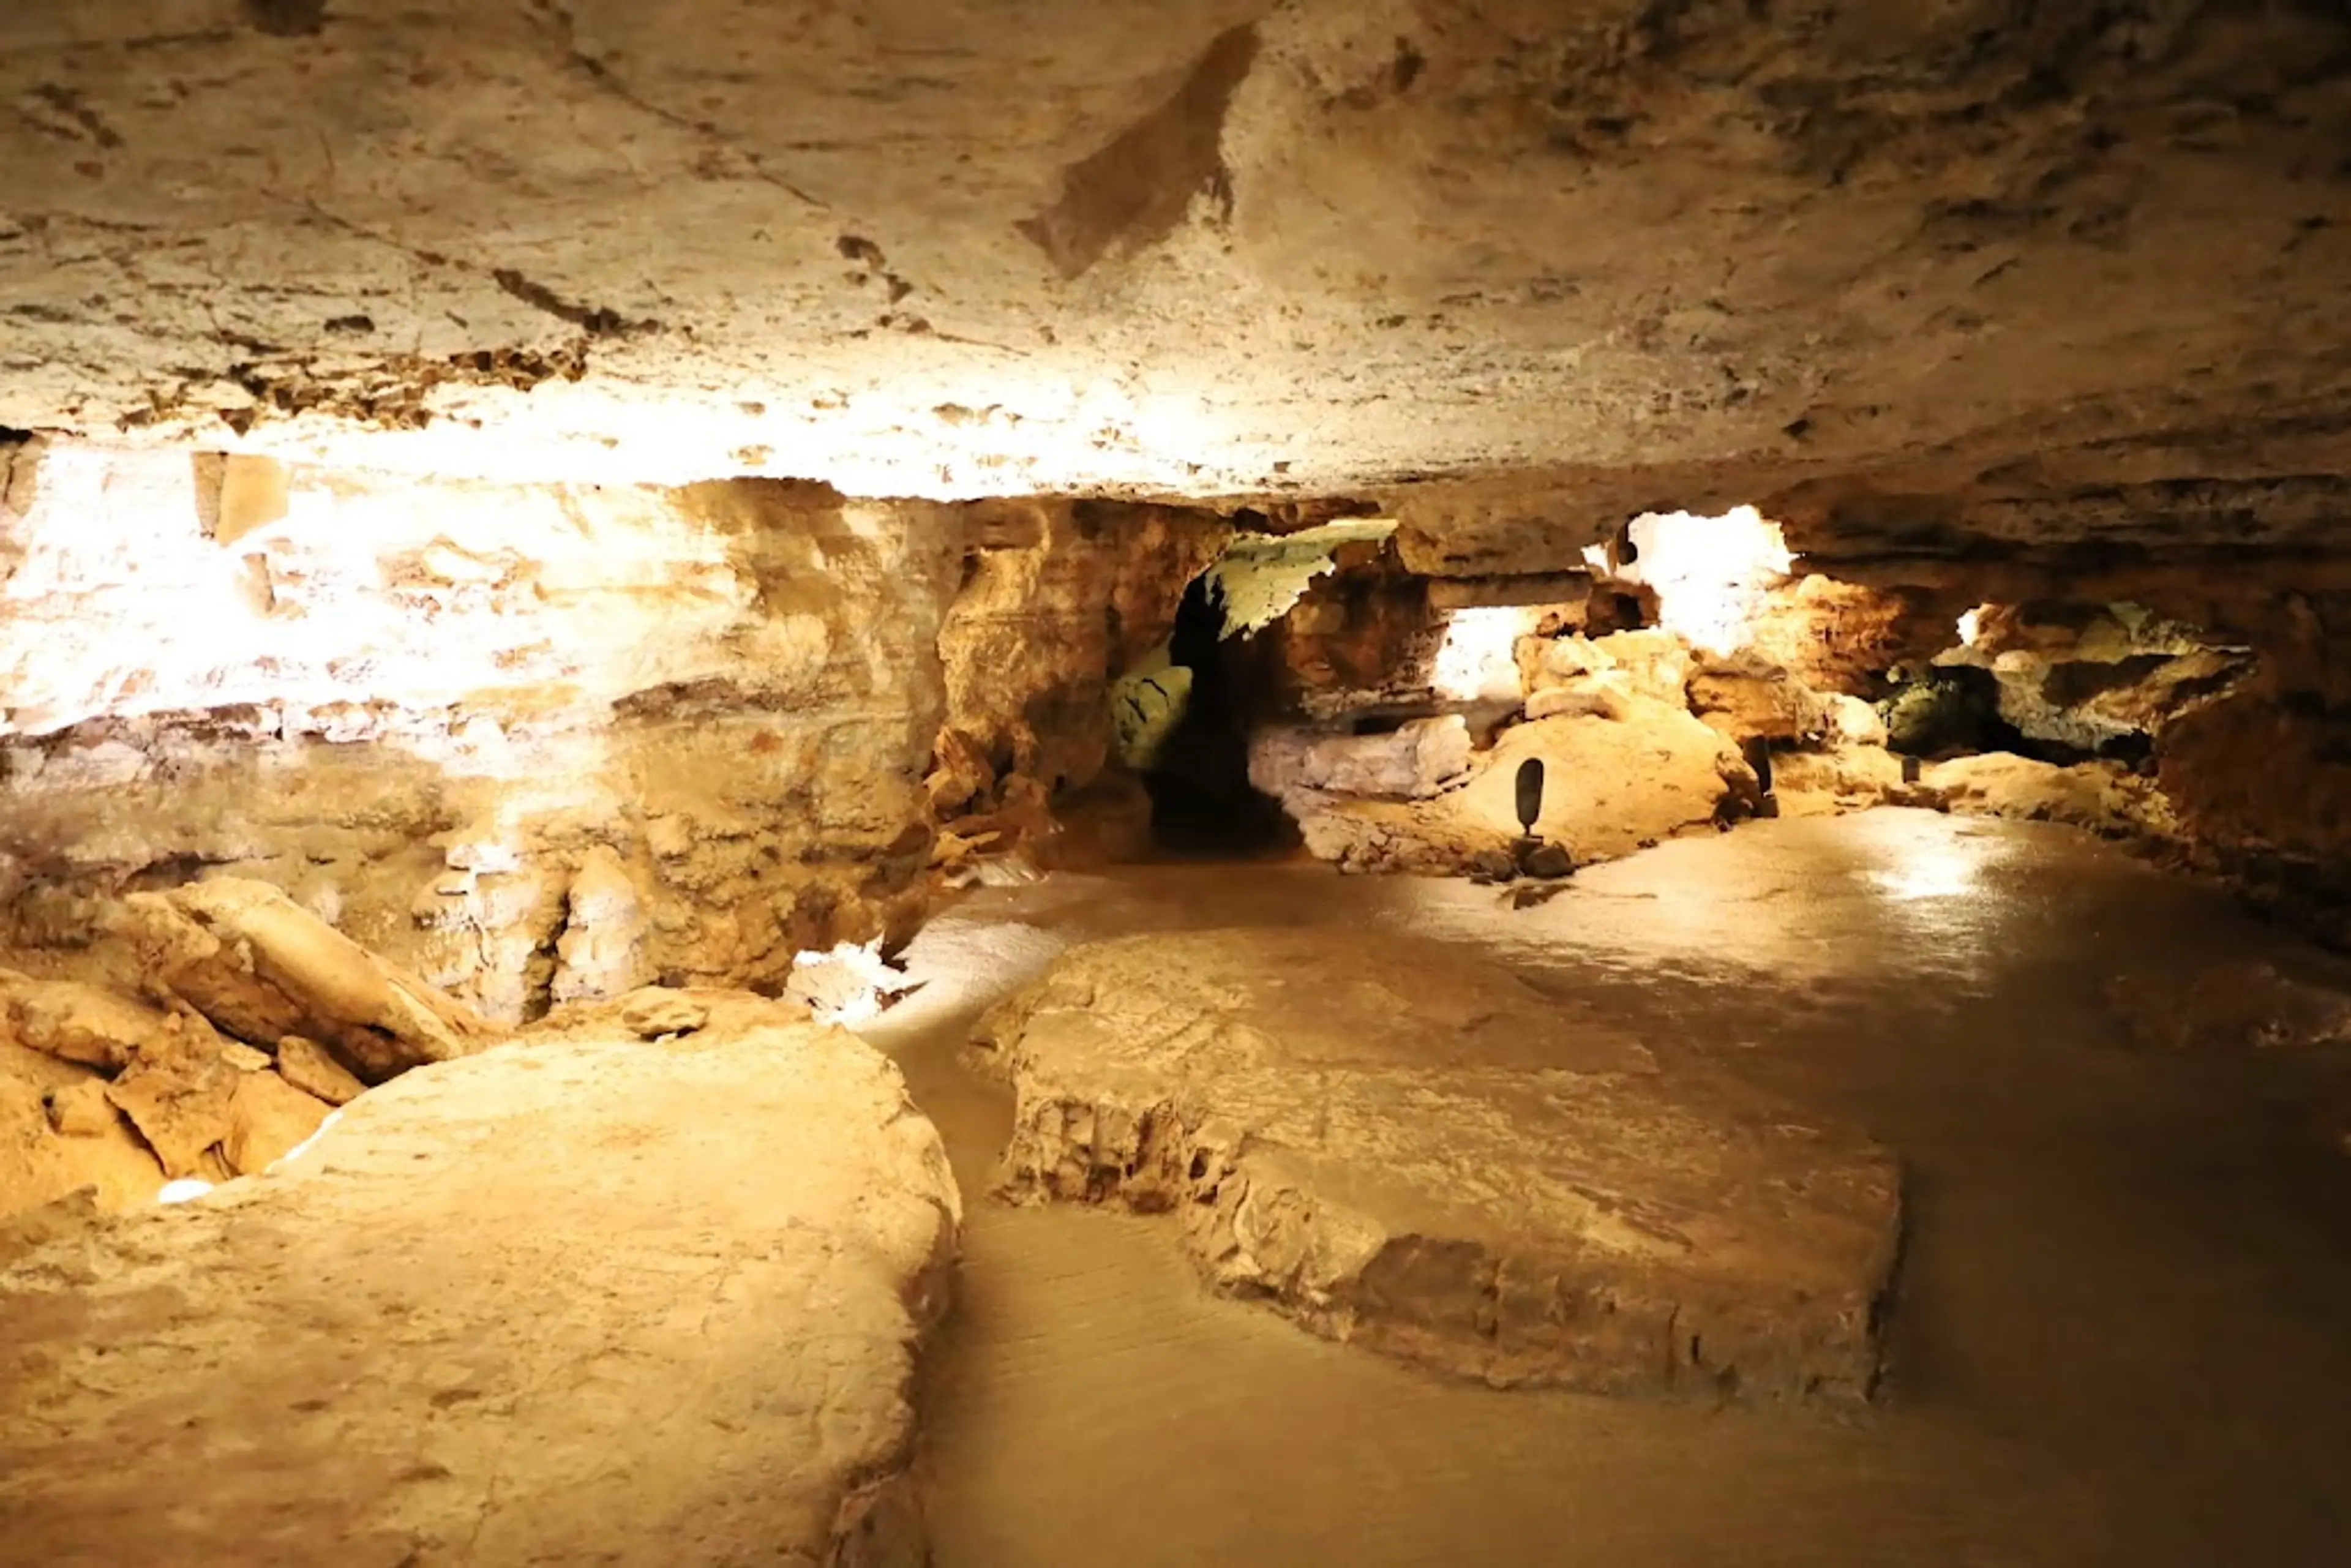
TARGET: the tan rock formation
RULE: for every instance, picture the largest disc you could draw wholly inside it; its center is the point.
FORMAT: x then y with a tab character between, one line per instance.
259	966
537	1301
311	1067
59	1134
1408	1150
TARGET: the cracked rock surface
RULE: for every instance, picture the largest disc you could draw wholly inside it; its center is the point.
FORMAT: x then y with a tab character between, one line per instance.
1520	269
1409	1149
569	1300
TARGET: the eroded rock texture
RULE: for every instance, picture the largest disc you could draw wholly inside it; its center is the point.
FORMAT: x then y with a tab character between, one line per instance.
542	743
1408	1149
2015	270
574	1299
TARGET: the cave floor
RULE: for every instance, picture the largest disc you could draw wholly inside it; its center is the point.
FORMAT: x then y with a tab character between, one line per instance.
2119	1331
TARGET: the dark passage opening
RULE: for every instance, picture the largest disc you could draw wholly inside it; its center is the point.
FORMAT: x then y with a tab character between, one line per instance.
1201	800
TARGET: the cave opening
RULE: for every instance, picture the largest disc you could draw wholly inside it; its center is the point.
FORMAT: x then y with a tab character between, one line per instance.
1203	803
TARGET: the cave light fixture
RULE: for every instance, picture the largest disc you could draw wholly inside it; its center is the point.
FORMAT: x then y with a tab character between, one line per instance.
1710	574
1972	626
184	1190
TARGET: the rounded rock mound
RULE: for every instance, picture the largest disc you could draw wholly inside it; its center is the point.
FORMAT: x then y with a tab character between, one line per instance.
577	1298
1409	1148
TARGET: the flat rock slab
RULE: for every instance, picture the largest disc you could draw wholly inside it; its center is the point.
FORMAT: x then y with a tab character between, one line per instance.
1404	1147
580	1301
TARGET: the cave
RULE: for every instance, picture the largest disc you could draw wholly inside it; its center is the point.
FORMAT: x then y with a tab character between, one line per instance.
1401	782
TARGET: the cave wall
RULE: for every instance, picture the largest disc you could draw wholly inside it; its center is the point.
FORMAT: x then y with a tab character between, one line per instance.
534	741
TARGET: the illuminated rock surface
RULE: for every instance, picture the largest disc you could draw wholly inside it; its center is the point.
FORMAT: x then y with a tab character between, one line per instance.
585	1298
2027	272
1408	1149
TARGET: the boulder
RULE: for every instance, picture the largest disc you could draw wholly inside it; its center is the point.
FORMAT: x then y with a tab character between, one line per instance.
268	1119
569	1301
1754	701
2103	798
1611	786
59	1135
81	1110
261	967
179	1101
1418	758
305	1064
1406	1148
654	1012
75	1022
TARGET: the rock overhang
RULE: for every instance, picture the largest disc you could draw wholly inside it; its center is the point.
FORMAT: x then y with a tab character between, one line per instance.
1909	278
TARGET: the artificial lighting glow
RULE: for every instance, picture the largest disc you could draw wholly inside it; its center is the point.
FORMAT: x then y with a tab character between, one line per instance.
1931	868
183	1190
1479	659
1972	627
1710	574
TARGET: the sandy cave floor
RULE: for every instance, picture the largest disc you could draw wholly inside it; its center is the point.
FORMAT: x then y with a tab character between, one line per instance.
2119	1334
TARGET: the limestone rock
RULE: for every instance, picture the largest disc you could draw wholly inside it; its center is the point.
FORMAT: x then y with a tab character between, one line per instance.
268	1118
247	956
1752	701
58	1133
1654	665
602	952
1612	786
960	774
77	1022
1844	779
2101	797
1851	721
305	1064
1418	758
81	1110
1410	1150
535	1304
181	1102
653	1012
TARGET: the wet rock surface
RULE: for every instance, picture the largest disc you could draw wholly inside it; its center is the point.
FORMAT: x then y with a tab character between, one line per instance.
584	1298
1406	1148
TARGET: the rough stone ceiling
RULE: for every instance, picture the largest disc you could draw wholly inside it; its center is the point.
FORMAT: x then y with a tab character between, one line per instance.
1910	271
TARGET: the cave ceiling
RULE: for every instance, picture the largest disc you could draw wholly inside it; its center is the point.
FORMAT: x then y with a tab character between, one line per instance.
1959	275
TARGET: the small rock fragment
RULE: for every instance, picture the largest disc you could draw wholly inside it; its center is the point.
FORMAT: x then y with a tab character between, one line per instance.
655	1011
306	1065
